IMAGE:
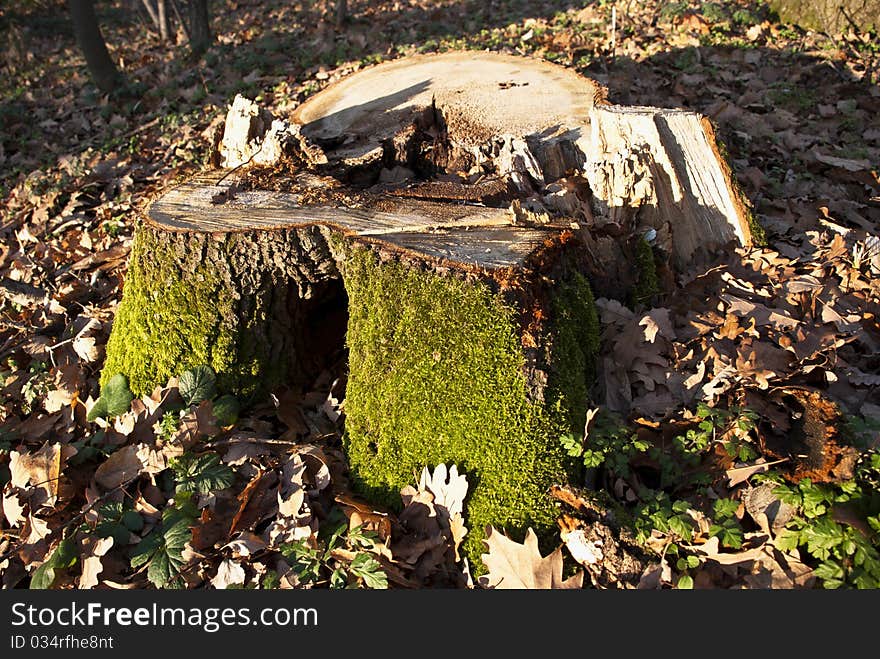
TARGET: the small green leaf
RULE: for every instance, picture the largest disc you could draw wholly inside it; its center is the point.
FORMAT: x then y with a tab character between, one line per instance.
117	522
132	521
681	526
117	396
271	581
226	410
829	570
203	473
726	507
197	384
685	582
367	568
98	411
43	577
64	556
162	549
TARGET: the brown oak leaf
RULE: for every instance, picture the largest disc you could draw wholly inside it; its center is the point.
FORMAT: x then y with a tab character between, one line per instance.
520	566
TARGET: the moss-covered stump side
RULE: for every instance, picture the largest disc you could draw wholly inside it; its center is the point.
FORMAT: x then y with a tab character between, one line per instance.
437	374
229	301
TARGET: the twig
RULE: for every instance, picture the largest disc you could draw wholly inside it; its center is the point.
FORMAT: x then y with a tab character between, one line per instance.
226	441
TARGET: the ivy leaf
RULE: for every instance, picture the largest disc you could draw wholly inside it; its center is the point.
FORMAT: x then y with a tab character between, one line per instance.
197	384
685	582
98	411
117	396
201	473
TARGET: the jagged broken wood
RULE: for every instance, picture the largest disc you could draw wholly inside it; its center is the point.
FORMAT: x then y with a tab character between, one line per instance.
447	218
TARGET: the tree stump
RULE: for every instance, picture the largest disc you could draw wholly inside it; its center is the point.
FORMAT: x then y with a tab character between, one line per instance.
448	220
833	16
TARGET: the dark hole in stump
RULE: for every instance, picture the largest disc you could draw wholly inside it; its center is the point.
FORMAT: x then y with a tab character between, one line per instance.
321	350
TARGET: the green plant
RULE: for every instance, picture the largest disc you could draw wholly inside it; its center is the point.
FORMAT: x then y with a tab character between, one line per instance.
201	473
226	409
726	527
36	387
672	10
744	18
713	12
162	550
792	97
64	556
730	427
609	443
115	399
168	425
647	285
197	384
118	521
338	559
406	385
847	553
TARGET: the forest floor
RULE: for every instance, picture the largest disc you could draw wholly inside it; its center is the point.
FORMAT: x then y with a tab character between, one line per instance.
736	439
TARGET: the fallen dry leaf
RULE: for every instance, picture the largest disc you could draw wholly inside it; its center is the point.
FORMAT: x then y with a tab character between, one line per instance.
520	566
737	475
448	487
585	552
41	470
13	509
92	566
229	573
657	322
123	466
245	544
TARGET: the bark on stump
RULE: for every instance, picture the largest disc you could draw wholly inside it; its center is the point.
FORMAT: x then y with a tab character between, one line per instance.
449	219
832	16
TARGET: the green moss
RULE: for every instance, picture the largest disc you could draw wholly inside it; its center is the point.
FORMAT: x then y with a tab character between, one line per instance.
574	345
180	309
437	375
165	323
647	283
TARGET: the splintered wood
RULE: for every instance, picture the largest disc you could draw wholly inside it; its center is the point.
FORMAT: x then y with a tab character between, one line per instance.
488	131
662	169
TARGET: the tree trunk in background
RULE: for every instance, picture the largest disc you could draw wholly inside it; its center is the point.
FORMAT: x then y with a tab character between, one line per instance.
163	22
341	12
91	42
199	26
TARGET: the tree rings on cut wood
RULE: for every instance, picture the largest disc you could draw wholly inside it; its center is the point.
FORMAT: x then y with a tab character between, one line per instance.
446	220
